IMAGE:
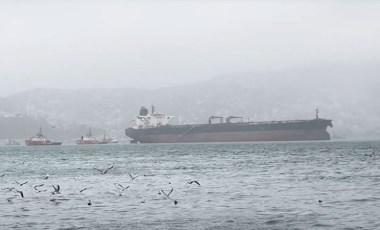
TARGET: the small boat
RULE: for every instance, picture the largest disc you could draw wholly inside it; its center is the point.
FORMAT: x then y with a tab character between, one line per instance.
89	139
112	140
39	139
11	142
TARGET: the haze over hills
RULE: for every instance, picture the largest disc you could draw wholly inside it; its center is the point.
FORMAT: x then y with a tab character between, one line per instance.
347	96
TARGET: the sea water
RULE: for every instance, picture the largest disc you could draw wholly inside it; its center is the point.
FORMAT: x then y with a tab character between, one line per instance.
286	185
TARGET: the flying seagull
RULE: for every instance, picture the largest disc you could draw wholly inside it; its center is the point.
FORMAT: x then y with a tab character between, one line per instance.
85	189
21	184
193	181
120	187
21	193
56	189
36	188
9	189
132	178
167	195
104	171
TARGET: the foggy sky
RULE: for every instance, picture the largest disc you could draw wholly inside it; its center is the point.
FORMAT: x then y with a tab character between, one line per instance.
149	44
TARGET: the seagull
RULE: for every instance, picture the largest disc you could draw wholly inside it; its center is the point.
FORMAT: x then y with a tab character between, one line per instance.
167	195
56	189
89	202
52	126
371	155
132	178
21	193
85	189
120	187
9	189
10	199
104	171
18	115
39	185
193	181
46	177
21	184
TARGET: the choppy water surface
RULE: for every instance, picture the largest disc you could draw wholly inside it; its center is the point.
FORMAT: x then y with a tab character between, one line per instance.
243	186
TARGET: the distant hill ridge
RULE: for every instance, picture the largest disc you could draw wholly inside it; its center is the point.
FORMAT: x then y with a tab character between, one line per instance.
353	105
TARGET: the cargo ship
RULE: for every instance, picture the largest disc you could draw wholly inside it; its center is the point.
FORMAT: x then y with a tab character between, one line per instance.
39	139
89	139
155	128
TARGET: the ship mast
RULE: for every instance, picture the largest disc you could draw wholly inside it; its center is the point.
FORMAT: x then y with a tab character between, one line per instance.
317	113
40	133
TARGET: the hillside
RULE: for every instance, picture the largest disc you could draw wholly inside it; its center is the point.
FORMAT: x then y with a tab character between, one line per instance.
344	95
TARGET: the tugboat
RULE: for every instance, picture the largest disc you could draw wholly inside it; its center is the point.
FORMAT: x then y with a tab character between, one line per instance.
89	139
39	139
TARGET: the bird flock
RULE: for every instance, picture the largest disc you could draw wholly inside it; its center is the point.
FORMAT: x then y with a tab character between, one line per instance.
56	189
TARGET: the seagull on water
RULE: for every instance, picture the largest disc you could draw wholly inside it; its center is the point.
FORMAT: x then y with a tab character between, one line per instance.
371	155
104	171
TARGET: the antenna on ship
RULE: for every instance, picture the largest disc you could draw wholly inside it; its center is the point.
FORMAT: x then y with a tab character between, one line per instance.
39	134
316	113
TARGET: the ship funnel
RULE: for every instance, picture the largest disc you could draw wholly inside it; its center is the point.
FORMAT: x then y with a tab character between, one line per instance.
143	111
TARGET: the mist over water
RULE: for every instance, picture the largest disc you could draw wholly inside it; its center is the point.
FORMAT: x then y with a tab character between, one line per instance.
67	66
243	186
